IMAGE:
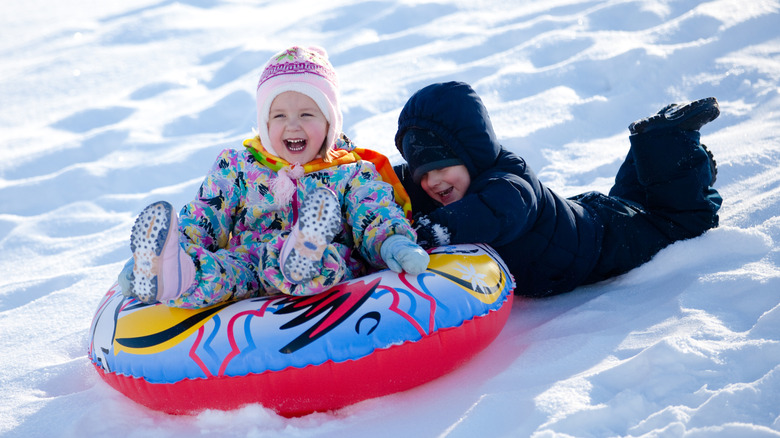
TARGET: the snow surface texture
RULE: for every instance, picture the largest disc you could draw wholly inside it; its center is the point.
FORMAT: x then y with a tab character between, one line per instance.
108	106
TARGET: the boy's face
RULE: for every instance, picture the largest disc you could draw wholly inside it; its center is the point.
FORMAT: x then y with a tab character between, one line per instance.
296	126
446	185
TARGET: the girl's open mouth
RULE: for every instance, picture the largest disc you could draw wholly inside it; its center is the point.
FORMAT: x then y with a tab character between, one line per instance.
297	145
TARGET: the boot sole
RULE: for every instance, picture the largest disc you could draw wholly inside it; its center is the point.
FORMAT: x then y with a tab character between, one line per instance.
147	240
318	224
689	117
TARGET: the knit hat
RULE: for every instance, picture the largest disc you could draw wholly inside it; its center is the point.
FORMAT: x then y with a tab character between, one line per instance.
306	71
425	151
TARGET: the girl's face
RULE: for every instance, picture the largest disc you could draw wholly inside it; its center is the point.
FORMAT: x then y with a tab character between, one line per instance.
446	185
296	126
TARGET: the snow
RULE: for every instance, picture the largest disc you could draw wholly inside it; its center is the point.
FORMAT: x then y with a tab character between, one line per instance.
108	106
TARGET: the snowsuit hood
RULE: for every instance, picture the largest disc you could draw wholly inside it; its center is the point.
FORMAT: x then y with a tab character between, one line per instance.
455	113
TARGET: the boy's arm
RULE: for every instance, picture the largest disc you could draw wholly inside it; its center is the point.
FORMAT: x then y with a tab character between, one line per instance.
496	213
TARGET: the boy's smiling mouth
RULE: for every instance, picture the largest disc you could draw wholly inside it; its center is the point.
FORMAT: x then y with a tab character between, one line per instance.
295	145
444	193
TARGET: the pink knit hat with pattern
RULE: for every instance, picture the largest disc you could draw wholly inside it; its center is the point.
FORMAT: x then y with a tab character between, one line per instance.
307	71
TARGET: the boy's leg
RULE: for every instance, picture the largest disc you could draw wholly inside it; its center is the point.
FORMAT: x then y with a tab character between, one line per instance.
672	172
630	236
663	192
627	185
688	117
677	174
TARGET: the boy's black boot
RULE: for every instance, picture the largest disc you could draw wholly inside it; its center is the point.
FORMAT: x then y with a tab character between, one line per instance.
689	116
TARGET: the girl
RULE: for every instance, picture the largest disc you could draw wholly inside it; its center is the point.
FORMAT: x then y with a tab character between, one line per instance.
296	212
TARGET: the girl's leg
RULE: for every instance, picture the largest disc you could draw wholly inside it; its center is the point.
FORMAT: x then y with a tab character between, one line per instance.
227	275
331	269
248	271
307	259
319	220
171	269
161	270
220	276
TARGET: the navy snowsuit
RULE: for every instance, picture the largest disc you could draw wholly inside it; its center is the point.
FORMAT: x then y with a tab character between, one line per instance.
552	244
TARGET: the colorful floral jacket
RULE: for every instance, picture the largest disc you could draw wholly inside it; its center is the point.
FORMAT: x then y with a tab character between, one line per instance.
236	212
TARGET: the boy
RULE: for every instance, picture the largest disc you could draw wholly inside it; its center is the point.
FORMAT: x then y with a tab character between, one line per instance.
466	188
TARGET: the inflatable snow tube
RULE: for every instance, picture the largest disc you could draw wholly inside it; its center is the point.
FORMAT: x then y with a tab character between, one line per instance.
364	338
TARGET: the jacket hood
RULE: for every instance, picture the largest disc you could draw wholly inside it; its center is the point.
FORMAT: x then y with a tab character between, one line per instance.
456	114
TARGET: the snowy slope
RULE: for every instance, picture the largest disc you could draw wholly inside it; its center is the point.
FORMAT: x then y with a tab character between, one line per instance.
107	106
